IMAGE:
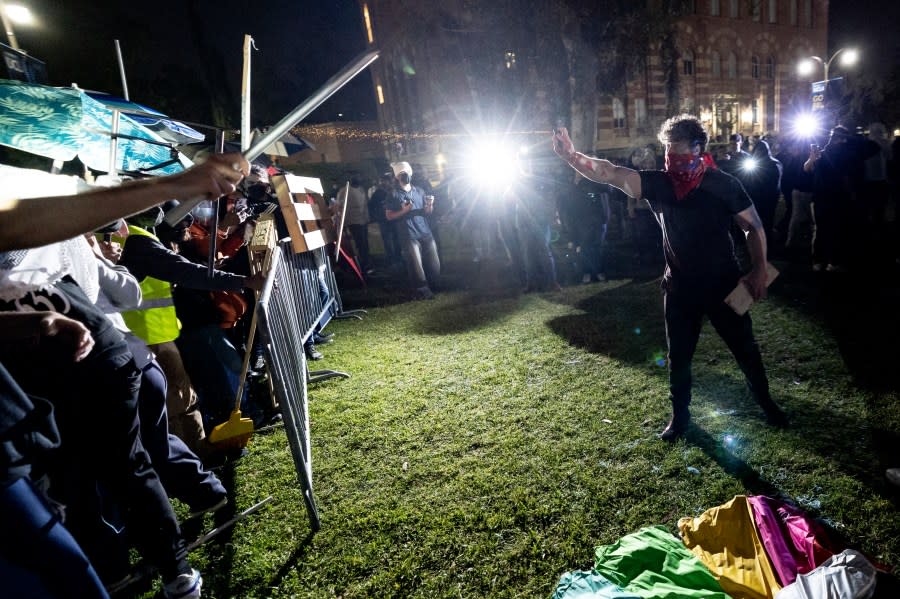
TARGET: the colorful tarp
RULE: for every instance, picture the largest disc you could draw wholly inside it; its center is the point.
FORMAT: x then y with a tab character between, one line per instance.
654	564
847	575
725	539
794	542
589	585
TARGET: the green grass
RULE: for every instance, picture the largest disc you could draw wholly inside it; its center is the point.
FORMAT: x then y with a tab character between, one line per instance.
487	440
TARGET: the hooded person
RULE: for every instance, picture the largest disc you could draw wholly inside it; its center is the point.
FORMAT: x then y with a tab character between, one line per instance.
408	208
761	176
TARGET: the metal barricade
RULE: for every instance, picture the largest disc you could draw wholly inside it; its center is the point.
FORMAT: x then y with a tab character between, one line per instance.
281	326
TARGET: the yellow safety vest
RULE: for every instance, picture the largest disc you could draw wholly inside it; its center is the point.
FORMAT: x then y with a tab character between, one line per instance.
155	321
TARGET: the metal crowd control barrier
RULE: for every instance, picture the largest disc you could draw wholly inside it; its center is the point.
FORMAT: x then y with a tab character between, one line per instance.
300	293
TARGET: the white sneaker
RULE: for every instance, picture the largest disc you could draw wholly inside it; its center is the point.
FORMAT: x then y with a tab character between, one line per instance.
185	586
586	279
601	277
818	267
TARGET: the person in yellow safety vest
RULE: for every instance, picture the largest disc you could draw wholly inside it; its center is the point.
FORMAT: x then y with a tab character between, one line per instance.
158	267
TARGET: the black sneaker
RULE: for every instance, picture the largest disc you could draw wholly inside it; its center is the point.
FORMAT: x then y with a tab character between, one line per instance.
323	339
312	353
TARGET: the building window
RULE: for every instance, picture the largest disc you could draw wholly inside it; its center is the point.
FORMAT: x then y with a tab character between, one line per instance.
640	112
510	60
770	68
754	66
807	13
687	63
690	7
773	11
618	114
734	11
715	8
732	65
715	64
754	109
368	20
756	9
793	7
380	91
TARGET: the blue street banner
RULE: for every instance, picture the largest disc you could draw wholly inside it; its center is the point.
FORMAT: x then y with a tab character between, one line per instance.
826	93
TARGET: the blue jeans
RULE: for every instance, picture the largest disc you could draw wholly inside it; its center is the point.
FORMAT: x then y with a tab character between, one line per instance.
214	366
38	556
422	262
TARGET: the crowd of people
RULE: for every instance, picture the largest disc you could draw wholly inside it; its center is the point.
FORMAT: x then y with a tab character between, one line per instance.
105	292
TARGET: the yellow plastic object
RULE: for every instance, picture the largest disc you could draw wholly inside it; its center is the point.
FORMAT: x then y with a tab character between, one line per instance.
235	432
726	541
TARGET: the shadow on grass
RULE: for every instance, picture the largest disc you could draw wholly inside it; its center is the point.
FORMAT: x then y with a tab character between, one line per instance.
291	561
623	321
861	311
729	462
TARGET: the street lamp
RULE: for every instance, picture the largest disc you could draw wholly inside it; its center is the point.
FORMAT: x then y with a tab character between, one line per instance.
849	57
14	13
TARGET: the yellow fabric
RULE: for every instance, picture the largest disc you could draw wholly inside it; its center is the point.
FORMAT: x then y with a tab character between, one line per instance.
156	323
726	541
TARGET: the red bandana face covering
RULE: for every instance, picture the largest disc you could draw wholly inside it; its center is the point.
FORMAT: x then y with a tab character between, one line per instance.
686	171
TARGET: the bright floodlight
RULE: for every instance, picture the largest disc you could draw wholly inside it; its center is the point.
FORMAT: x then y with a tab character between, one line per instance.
805	67
19	15
749	165
806	125
849	57
493	165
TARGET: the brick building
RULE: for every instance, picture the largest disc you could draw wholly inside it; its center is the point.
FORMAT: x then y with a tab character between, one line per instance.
446	71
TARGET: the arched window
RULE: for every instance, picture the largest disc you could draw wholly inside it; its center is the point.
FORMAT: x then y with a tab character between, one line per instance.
770	68
792	4
732	65
807	13
618	114
773	11
687	63
715	64
756	9
715	8
734	11
754	66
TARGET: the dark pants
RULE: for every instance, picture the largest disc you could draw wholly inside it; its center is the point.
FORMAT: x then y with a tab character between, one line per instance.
96	403
391	242
361	241
38	556
829	216
540	267
181	472
686	302
591	238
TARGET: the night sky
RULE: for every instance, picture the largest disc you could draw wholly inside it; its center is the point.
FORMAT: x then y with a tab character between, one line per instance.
176	51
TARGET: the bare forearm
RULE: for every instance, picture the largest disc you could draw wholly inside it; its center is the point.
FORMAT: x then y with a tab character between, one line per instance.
756	245
39	221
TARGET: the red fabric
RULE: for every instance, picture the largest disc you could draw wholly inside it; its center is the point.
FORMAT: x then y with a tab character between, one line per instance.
795	543
686	171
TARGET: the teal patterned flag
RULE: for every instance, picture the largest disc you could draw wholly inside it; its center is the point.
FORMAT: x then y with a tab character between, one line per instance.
61	123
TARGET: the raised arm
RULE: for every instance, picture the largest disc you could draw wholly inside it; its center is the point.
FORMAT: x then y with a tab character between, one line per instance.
39	221
595	169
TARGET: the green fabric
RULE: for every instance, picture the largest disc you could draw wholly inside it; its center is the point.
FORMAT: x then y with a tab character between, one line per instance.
582	584
653	563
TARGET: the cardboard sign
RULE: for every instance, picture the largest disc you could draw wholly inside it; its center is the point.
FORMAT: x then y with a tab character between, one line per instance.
740	299
303	207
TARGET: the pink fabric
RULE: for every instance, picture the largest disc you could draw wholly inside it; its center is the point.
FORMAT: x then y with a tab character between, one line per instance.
794	542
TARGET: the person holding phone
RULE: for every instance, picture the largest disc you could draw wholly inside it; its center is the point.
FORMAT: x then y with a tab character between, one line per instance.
408	206
695	205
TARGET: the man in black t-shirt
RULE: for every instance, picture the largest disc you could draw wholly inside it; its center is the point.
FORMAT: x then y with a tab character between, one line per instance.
695	205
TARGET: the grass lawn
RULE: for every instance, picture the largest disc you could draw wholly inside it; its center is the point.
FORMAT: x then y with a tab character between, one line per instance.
488	440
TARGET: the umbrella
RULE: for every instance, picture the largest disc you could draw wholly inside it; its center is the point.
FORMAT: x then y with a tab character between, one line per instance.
170	130
62	123
286	145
